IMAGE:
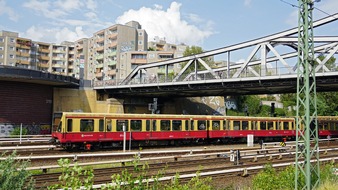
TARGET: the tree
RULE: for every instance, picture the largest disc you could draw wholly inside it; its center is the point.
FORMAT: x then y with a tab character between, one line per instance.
252	104
193	50
13	173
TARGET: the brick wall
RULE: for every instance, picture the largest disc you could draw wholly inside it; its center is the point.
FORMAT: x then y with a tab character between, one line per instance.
25	103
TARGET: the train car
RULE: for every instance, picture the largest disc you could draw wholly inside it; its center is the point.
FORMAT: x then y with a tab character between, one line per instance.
97	130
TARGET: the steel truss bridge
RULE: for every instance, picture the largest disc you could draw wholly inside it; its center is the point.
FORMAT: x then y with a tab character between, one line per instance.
269	68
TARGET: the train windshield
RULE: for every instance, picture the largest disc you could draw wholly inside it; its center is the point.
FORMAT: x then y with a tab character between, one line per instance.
59	127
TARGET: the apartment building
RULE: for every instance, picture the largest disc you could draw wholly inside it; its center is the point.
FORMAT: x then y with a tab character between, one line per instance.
25	53
106	46
130	60
8	48
110	54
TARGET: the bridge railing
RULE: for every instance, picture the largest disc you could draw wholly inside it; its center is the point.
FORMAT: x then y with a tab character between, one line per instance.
204	76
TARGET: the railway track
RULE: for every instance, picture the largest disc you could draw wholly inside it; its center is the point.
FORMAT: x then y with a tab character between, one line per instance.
187	166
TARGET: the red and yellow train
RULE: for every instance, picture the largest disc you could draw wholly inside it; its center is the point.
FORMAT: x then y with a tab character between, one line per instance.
95	130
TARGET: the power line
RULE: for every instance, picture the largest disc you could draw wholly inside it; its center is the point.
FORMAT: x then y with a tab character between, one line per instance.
293	5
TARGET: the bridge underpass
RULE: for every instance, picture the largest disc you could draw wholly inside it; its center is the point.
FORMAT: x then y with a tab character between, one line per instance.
270	67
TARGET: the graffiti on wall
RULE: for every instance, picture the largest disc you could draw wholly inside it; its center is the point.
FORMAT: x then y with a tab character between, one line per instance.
216	103
6	129
231	104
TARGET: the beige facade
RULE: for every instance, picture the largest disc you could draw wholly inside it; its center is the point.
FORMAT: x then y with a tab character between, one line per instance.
110	54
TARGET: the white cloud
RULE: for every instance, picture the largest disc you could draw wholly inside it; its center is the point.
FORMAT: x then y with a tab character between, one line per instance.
167	23
247	2
91	5
45	8
6	10
68	5
54	35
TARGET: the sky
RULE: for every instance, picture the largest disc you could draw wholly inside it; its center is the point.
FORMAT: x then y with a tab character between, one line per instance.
208	24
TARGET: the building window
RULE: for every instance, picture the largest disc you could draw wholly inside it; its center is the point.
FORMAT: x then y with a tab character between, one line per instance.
12	40
1	56
1	48
11	48
11	56
1	40
140	33
140	42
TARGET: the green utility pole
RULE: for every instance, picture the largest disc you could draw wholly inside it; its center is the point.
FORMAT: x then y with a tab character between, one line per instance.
307	173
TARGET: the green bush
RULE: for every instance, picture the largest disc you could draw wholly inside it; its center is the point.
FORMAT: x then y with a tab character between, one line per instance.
16	131
270	179
13	174
73	177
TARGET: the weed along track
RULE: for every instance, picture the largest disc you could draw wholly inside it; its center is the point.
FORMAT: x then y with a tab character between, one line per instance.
208	164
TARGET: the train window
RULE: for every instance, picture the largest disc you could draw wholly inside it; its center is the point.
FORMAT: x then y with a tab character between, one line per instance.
186	125
263	125
245	125
154	125
147	125
177	125
165	125
286	125
270	125
254	125
101	125
237	125
227	125
109	125
201	125
192	125
136	125
86	125
59	127
69	125
120	124
216	125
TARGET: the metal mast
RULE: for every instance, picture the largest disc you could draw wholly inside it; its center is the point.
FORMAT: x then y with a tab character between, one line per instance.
307	173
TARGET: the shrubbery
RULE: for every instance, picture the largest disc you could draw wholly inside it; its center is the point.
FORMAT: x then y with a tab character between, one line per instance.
270	179
13	174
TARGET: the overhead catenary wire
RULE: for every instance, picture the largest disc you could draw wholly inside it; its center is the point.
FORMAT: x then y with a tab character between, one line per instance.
293	5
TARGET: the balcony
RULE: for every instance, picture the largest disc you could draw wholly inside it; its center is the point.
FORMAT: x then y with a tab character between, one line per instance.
22	54
99	57
58	58
98	75
112	54
98	40
22	46
42	57
57	65
44	65
112	44
98	66
138	61
79	47
110	63
100	48
23	62
112	36
59	51
112	72
43	50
